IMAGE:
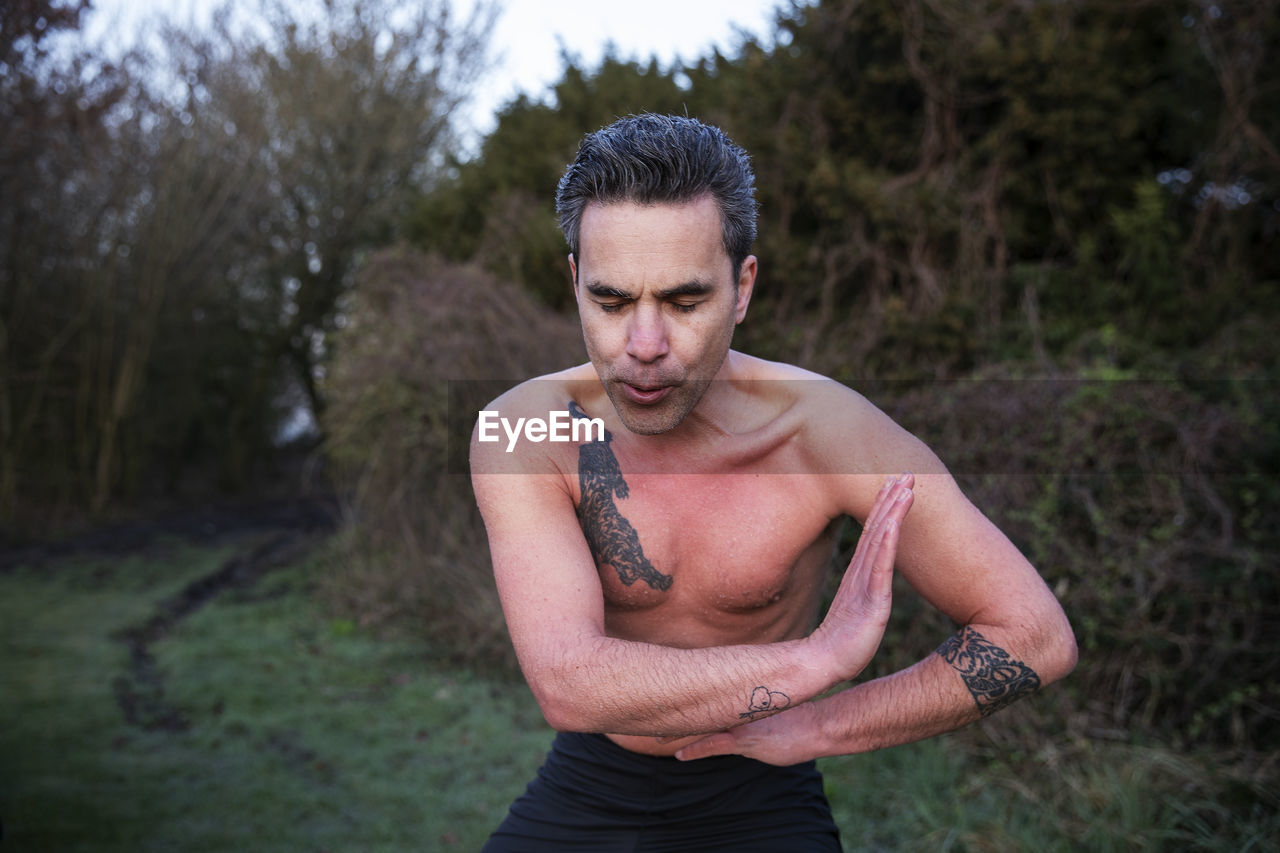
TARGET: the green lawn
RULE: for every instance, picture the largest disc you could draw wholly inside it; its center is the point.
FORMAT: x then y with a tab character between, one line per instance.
304	733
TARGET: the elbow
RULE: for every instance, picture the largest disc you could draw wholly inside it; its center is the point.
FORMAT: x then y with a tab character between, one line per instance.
559	712
1063	658
1070	653
1060	652
563	706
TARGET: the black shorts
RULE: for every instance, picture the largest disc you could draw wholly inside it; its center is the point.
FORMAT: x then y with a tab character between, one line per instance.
593	795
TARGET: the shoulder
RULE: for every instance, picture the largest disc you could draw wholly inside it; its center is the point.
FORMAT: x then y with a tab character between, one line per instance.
829	410
846	437
544	393
513	432
799	386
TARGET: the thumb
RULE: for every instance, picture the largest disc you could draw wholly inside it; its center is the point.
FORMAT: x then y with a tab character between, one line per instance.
722	743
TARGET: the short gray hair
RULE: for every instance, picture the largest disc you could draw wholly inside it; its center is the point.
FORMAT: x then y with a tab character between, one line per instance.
657	159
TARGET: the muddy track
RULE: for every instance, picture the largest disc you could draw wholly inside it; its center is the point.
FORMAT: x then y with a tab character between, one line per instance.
140	690
266	535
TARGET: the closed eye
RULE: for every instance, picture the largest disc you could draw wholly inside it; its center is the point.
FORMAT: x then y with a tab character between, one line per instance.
610	299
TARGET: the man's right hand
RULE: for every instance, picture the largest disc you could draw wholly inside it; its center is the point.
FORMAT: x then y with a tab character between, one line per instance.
850	634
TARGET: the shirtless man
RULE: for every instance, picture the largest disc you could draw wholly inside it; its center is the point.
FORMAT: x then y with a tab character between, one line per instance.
662	581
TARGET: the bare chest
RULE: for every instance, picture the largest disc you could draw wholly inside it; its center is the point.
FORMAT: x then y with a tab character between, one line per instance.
741	550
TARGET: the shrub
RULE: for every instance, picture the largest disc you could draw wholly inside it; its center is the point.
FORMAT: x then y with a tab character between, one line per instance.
1141	504
403	395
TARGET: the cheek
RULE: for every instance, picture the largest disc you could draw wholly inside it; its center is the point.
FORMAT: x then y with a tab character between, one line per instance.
602	339
707	337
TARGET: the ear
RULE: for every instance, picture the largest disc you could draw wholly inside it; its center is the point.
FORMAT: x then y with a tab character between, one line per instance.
746	284
573	271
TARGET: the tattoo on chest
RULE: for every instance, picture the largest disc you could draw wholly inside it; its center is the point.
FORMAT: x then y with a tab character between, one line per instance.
994	678
613	541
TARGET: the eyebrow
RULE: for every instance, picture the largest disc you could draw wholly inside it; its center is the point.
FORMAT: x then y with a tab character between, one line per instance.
689	288
603	290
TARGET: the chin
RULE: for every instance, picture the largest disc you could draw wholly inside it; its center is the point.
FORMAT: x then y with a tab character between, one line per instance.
659	418
649	420
650	423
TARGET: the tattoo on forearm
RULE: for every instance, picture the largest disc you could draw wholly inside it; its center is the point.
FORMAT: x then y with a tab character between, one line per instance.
612	539
763	700
994	678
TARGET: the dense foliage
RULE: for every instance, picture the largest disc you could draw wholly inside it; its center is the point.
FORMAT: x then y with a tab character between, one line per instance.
428	343
947	184
1051	224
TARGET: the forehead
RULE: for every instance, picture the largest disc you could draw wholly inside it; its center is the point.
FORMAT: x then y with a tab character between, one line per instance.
626	232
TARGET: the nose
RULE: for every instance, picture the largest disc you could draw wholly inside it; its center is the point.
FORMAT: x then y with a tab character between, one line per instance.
647	335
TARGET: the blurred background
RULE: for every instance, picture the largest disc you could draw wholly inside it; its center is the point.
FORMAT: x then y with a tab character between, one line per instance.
248	253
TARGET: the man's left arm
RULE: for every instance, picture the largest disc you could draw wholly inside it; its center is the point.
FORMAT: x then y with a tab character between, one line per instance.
1013	638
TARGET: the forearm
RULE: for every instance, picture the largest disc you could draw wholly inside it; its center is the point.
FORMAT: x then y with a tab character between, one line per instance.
624	687
913	704
969	676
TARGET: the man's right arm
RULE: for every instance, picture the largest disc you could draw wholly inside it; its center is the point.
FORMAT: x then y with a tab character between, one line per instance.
587	681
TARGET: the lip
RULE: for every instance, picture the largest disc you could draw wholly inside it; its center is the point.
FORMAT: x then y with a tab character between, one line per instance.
645	396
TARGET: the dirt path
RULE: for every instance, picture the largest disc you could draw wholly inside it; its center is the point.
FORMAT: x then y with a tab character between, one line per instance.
140	690
268	535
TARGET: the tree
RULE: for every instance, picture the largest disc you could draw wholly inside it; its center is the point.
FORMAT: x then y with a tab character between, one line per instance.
946	179
57	113
184	228
357	106
500	207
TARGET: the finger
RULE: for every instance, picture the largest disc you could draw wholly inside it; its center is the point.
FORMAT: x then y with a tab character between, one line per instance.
871	525
885	502
879	589
897	511
868	524
882	545
856	575
886	506
894	515
885	549
902	483
717	744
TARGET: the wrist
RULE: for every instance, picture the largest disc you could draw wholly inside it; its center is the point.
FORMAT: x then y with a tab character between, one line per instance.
822	665
829	734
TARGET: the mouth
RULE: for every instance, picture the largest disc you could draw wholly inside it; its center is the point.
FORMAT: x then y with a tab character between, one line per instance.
645	396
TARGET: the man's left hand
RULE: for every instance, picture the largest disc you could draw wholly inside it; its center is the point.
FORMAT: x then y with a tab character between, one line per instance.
783	739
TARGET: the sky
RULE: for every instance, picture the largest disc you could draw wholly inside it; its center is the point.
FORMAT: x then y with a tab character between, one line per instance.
528	36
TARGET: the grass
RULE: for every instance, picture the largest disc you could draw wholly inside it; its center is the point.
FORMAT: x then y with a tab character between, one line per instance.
305	733
939	795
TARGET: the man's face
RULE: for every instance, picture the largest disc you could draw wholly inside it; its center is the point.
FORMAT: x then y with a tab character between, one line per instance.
656	296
